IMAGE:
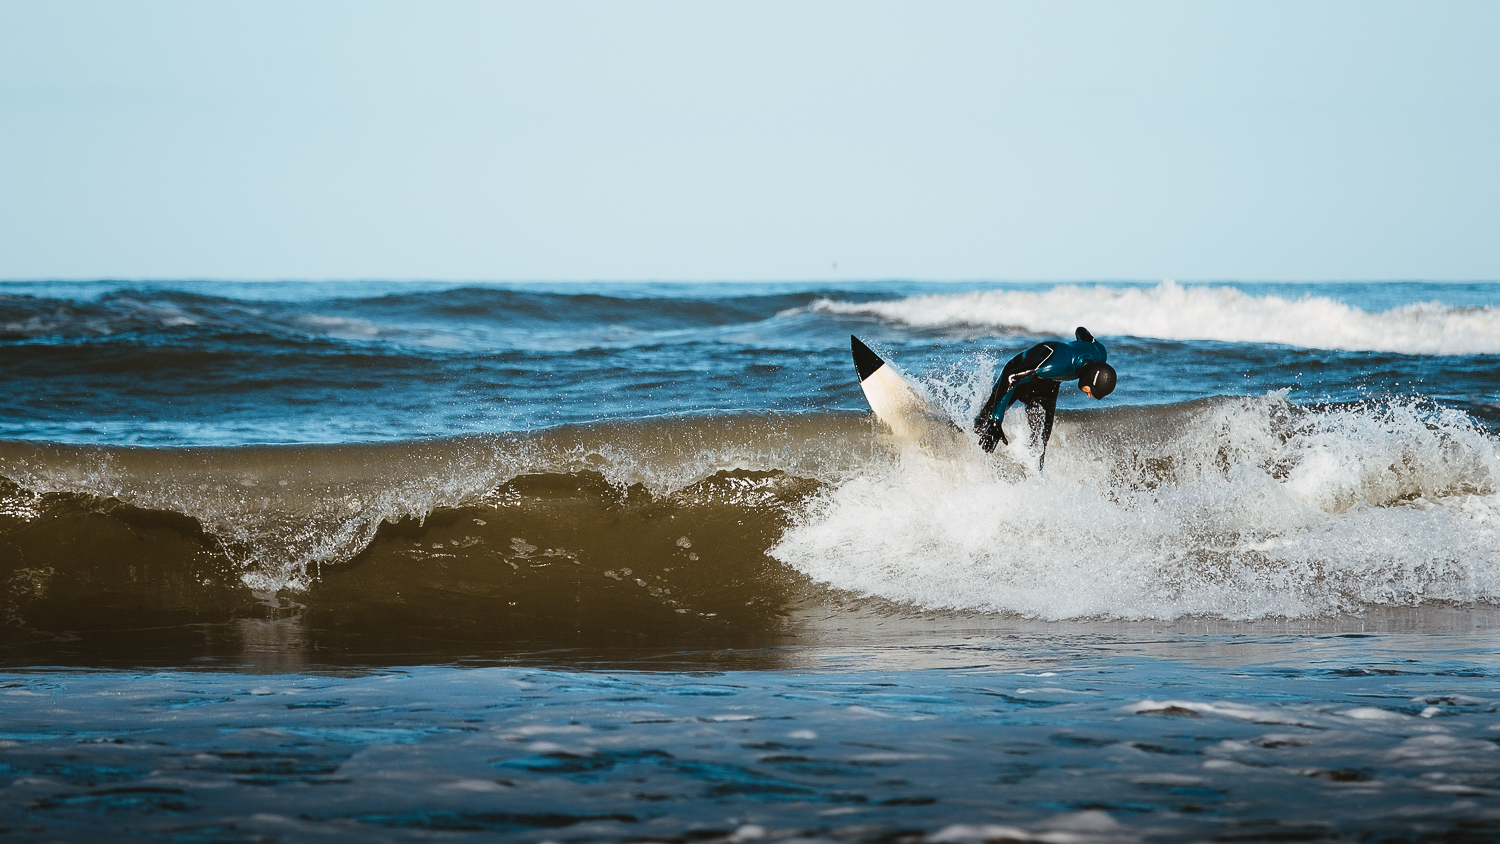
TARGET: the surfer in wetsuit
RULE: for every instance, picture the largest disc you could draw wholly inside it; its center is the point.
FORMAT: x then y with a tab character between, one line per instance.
1034	378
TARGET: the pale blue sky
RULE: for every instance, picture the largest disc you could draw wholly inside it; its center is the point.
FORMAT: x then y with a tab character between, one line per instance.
758	141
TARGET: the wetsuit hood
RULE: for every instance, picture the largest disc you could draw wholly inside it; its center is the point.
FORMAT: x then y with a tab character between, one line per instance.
1099	377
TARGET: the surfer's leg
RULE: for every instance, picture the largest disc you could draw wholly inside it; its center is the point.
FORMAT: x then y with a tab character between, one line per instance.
1041	409
1036	417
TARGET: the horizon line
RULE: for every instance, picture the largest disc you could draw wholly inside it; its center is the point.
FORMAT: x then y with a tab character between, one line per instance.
810	280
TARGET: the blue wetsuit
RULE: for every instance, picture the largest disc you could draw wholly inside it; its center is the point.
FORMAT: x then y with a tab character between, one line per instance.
1033	378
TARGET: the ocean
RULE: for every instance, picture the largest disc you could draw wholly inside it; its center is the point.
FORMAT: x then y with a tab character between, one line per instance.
379	561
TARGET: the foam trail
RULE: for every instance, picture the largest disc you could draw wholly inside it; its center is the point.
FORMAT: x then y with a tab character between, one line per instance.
1171	311
1235	508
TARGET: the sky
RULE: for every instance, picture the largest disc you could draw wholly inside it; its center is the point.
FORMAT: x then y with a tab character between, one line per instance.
749	141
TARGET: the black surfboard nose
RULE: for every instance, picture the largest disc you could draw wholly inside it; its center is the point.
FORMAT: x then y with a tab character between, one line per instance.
865	361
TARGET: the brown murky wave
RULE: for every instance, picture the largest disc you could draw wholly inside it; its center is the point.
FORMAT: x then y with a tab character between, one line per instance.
625	535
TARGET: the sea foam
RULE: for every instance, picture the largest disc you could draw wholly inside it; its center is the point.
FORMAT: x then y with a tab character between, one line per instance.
1171	311
1231	508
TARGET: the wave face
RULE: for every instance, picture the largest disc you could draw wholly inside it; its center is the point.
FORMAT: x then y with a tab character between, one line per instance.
605	534
277	512
1175	312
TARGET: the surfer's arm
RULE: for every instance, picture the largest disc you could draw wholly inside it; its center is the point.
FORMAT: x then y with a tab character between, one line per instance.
988	423
1001	398
1022	368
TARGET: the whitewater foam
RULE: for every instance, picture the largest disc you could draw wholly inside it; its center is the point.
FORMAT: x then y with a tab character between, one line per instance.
1171	311
1234	508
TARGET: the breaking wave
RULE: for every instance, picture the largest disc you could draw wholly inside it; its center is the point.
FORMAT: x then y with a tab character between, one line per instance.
1232	508
1235	508
1171	311
279	512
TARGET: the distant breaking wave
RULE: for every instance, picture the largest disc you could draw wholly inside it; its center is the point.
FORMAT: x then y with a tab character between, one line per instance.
1170	311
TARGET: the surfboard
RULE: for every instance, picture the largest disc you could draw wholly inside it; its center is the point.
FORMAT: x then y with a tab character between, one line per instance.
894	400
915	422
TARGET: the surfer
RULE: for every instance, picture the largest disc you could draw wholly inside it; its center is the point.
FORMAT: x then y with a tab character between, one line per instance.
1034	378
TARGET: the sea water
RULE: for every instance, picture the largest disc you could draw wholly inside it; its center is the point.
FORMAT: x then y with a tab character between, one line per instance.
599	562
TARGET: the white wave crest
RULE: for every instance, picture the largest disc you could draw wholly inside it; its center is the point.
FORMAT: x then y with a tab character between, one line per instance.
1175	312
1241	509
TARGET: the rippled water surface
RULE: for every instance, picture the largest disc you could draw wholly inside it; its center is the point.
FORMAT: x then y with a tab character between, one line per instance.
1056	736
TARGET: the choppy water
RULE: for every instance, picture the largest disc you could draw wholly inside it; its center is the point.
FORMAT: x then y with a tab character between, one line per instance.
654	479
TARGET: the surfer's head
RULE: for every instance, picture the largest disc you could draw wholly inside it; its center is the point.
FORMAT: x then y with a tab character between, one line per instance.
1096	379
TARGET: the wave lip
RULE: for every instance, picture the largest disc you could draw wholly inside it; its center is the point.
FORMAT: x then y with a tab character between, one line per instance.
1170	311
278	513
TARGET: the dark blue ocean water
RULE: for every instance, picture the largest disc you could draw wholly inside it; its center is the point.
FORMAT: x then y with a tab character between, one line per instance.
599	562
224	364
